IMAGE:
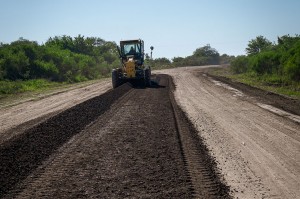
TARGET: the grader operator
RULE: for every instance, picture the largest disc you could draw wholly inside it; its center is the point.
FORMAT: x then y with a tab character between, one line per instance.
132	59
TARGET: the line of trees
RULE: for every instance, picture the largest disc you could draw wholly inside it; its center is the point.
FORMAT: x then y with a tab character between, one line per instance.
279	61
201	56
68	59
205	55
59	59
76	59
63	58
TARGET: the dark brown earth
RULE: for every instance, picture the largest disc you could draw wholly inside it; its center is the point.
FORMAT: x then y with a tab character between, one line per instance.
130	142
24	153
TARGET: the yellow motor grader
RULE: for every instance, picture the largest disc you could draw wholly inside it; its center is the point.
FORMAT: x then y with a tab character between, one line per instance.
132	59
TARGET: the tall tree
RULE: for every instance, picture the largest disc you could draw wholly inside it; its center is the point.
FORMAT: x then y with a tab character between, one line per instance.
205	55
257	45
206	51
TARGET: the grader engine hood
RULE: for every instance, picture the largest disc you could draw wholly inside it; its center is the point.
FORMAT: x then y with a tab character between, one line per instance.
130	68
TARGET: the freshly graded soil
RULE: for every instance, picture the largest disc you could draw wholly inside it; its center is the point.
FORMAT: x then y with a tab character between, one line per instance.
131	142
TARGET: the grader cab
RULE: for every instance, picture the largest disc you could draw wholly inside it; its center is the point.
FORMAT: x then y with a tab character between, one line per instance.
132	59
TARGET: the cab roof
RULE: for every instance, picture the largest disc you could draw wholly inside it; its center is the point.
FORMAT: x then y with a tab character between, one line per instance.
131	41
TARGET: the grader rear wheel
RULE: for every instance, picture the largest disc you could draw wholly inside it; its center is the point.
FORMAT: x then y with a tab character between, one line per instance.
115	77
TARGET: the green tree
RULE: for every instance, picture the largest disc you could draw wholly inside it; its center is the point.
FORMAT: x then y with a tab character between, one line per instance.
178	61
265	62
206	51
42	69
292	63
257	45
206	54
64	42
161	63
16	66
287	42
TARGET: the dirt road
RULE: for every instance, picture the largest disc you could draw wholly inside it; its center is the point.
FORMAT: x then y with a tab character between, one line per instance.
130	142
257	146
136	142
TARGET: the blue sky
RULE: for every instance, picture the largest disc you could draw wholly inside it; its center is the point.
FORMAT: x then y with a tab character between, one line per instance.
173	27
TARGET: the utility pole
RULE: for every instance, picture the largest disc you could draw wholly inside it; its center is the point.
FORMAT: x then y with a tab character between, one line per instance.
151	50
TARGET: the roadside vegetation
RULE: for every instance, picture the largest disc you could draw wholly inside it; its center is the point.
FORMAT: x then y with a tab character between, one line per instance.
271	66
14	87
28	66
25	65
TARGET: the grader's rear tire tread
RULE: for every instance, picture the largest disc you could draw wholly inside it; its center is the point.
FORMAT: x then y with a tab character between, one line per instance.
115	79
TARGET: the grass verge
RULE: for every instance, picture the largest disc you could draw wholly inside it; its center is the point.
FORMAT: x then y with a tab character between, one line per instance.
15	87
269	83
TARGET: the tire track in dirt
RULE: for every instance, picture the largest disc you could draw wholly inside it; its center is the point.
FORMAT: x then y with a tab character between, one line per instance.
201	167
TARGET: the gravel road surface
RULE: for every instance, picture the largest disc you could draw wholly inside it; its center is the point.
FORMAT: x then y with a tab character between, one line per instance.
257	149
189	136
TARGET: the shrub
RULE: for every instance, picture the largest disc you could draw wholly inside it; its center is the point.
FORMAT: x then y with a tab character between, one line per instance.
239	64
44	69
265	62
292	65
